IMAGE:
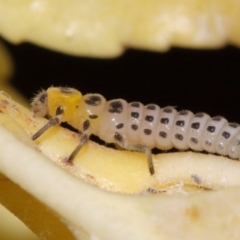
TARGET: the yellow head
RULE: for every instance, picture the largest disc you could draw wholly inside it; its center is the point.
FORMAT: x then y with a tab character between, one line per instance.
68	99
49	102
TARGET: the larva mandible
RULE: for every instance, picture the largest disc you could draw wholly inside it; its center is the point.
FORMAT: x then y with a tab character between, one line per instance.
134	126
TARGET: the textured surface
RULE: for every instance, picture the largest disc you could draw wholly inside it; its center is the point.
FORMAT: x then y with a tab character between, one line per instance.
90	211
104	28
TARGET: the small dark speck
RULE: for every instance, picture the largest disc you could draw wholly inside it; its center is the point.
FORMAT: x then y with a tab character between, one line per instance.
67	162
153	190
196	178
4	103
151	107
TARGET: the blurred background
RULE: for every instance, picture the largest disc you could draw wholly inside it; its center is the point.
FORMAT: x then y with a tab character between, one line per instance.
198	80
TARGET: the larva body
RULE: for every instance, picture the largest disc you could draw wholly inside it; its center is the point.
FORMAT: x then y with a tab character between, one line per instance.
132	124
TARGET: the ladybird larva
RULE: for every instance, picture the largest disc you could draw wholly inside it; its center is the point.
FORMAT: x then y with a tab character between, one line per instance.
134	126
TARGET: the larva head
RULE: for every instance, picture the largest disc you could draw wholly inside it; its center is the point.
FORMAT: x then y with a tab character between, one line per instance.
63	99
40	104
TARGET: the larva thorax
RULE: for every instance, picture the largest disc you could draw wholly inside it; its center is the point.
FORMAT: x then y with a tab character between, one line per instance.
133	124
71	106
53	100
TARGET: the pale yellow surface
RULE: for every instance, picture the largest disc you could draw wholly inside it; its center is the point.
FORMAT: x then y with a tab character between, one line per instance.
58	201
11	228
115	170
105	28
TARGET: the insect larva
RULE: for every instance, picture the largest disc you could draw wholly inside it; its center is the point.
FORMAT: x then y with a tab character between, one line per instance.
134	126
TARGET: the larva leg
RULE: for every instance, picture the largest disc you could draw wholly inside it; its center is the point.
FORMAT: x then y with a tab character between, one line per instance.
147	151
52	122
83	141
56	121
136	147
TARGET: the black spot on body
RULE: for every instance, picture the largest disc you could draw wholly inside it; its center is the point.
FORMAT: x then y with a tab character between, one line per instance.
93	100
208	143
119	125
134	127
115	107
86	125
217	119
147	131
180	123
226	135
59	110
233	125
179	136
93	116
164	120
118	137
134	114
211	129
194	140
151	107
135	104
199	115
195	125
163	134
149	118
167	110
183	112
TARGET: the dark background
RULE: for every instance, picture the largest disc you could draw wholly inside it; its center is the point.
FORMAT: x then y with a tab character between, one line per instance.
198	80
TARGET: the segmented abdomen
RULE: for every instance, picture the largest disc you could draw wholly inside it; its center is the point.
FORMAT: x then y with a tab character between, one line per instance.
132	123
